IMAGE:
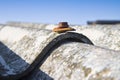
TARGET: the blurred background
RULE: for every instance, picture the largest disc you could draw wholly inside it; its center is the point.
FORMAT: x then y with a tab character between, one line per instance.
54	11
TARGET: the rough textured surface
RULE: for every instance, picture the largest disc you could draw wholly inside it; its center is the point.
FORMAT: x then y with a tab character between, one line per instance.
20	46
28	47
77	61
106	36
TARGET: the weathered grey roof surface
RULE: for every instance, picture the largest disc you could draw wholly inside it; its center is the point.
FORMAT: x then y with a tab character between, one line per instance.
29	52
106	36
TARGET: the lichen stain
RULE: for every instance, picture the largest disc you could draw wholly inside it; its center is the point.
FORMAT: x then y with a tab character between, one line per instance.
99	75
102	78
105	71
87	71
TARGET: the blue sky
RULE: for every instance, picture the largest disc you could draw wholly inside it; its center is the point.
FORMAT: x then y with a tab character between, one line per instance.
54	11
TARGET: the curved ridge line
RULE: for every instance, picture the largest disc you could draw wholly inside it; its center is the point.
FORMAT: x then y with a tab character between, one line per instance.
69	36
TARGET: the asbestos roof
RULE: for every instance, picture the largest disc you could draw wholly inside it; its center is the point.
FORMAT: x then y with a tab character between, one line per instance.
32	51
